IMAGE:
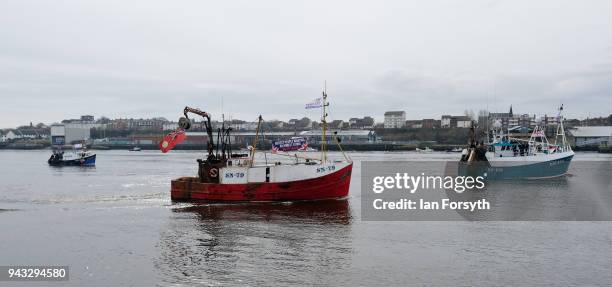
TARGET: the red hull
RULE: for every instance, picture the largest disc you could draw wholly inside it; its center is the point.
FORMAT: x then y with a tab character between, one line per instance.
335	185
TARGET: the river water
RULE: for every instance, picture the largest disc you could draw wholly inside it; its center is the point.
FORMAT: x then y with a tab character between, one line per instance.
114	225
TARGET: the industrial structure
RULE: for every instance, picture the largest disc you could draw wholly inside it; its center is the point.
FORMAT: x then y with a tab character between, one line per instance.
592	136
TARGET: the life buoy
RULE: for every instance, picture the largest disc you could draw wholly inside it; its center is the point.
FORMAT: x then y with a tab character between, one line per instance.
213	172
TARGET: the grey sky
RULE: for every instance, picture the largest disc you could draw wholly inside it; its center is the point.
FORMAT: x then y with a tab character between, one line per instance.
62	59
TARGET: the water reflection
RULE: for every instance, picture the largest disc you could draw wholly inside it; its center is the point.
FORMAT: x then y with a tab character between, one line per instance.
59	170
323	212
518	200
256	244
576	196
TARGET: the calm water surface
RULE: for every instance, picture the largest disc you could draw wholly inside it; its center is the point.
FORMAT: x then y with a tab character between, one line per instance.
115	225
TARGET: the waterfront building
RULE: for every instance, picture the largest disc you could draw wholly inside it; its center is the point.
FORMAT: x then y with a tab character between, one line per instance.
395	119
461	122
414	124
70	133
424	123
337	124
510	120
592	136
169	126
87	119
430	124
448	121
26	133
346	136
364	123
12	135
445	121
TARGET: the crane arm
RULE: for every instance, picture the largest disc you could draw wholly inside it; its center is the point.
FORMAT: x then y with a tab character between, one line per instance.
196	111
207	123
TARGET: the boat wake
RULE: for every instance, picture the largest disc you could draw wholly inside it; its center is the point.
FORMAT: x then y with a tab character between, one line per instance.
160	197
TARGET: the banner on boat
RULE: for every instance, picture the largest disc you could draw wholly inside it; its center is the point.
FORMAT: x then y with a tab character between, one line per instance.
316	103
292	144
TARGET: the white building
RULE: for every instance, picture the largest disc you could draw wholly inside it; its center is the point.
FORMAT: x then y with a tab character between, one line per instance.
68	133
445	121
455	121
548	121
464	122
243	126
395	119
11	135
169	126
23	134
592	136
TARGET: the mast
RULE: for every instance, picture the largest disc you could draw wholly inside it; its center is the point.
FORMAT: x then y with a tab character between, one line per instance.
561	130
255	141
324	127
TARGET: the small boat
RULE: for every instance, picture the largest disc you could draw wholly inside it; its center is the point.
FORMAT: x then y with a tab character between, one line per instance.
78	156
506	157
457	149
135	149
222	177
425	150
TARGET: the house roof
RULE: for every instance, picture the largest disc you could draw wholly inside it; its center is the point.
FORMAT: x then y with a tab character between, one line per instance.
601	131
499	115
462	118
395	113
31	132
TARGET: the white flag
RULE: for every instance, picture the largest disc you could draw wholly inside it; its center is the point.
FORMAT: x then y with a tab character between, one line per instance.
316	103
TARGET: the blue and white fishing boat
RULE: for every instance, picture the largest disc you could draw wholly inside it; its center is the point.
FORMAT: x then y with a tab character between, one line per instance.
78	156
507	157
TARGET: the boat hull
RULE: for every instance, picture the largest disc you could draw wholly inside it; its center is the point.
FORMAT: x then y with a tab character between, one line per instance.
86	161
527	170
330	186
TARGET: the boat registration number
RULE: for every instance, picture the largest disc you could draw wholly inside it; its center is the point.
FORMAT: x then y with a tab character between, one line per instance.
234	174
326	169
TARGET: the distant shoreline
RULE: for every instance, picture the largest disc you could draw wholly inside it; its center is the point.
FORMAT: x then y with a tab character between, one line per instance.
389	147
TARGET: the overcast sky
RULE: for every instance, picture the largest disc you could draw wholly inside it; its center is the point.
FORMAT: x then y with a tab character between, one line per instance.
63	59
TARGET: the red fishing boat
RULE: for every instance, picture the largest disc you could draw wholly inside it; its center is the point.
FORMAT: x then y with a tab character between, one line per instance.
227	176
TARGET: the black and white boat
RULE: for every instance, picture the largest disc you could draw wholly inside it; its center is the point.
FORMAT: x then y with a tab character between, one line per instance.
77	156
